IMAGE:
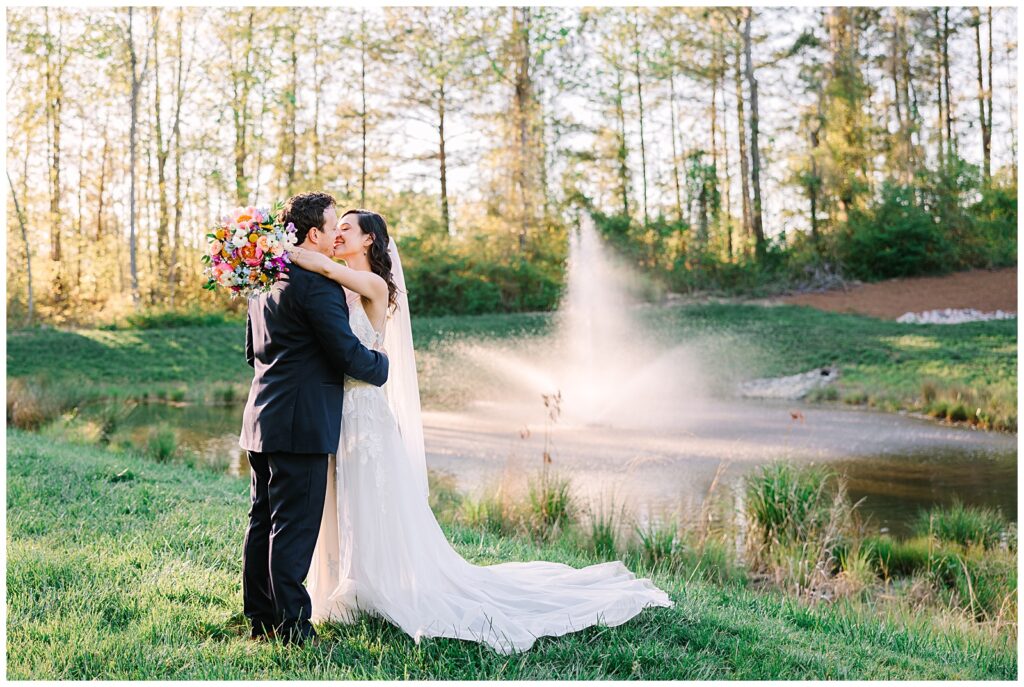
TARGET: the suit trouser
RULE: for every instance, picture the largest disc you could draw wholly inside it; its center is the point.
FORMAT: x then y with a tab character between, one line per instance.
287	493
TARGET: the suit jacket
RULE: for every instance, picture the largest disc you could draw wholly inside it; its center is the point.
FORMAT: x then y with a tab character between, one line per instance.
298	340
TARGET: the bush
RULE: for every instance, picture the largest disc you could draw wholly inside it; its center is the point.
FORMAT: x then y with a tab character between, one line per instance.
169	319
996	222
446	276
895	238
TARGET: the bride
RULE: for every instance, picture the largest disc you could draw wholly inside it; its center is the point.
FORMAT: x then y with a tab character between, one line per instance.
380	549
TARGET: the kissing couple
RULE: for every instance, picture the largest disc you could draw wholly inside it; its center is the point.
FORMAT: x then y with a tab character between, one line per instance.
334	438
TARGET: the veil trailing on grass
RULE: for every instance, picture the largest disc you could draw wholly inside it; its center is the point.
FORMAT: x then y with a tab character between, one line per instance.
402	388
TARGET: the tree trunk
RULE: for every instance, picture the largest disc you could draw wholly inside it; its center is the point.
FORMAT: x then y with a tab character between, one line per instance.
442	159
103	178
988	97
983	118
76	240
901	126
179	95
938	87
54	105
290	112
622	152
950	139
906	87
755	154
28	252
714	113
524	112
675	152
725	152
240	114
317	89
162	152
362	112
741	135
135	84
640	101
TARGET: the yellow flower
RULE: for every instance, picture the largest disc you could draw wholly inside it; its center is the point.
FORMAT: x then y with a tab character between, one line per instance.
221	233
253	237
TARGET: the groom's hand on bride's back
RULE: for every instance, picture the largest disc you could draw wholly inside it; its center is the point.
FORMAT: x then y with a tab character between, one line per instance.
328	316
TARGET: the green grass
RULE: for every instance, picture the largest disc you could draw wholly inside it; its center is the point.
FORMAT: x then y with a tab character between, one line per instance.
966	372
884	364
119	567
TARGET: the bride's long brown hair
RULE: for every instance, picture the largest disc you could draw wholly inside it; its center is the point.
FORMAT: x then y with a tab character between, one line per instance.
380	260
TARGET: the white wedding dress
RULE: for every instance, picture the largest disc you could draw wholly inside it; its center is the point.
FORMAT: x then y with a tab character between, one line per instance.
381	551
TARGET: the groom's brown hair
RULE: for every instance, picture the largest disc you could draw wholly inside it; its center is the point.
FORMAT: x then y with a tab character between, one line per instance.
306	211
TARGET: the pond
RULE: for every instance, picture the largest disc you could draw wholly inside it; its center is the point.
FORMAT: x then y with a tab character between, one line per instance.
896	463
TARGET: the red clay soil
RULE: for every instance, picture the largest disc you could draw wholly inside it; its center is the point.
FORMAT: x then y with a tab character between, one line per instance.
985	290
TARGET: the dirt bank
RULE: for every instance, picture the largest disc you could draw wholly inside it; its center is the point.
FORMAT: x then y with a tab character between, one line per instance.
984	290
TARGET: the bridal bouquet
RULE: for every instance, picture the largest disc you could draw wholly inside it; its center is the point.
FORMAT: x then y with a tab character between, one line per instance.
246	253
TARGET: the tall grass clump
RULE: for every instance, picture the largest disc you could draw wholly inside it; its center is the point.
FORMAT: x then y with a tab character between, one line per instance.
494	512
799	519
786	503
162	443
964	525
34	402
658	542
605	522
551	504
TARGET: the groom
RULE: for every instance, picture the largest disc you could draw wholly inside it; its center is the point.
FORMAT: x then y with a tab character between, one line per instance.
299	341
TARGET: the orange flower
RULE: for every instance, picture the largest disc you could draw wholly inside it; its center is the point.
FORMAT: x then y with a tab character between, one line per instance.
251	254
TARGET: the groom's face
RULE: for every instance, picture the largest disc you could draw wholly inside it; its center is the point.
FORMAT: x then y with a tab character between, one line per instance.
325	237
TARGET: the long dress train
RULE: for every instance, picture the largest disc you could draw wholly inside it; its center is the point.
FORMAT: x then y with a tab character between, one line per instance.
381	550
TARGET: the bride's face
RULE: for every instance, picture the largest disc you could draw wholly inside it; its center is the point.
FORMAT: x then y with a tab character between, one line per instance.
351	239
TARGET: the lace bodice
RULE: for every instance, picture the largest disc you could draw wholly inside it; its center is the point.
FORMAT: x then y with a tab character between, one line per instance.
361	326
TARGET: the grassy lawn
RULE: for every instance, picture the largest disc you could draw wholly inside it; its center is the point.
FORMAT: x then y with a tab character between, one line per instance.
945	370
122	568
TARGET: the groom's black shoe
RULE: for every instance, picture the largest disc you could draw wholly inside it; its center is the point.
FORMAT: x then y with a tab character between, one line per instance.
267	636
298	633
262	630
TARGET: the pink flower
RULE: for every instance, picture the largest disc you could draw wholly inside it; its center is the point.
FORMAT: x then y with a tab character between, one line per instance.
222	273
216	247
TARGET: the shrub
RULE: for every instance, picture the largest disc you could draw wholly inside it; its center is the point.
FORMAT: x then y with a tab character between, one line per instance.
896	237
168	319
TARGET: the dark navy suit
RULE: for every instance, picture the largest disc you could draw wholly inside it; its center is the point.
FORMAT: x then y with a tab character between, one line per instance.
300	344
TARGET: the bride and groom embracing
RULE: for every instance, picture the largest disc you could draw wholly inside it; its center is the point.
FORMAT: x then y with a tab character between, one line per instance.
339	483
